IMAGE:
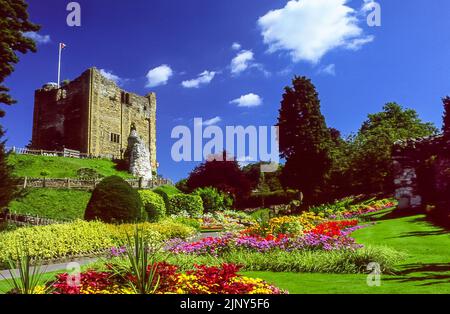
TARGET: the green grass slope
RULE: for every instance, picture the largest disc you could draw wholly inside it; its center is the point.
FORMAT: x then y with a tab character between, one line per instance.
61	167
425	270
50	203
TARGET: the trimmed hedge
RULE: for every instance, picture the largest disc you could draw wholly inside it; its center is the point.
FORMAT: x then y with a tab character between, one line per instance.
189	203
114	200
81	238
153	204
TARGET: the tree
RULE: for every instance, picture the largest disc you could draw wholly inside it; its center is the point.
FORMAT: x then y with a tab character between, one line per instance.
305	139
13	24
371	157
269	181
446	118
224	175
8	183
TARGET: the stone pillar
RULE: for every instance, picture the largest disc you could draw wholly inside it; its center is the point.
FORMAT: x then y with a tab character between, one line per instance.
406	186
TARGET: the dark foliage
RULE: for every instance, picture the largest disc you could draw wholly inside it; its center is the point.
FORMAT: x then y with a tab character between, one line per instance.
8	183
13	24
305	139
114	200
224	175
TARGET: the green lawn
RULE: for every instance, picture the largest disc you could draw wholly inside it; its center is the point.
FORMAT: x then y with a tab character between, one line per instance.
61	167
425	270
52	203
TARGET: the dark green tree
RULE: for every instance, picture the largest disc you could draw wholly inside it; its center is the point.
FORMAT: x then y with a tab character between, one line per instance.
371	149
446	118
304	139
13	24
224	175
8	183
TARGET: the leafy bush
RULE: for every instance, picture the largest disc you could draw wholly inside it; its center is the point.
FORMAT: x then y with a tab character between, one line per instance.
192	204
213	199
165	191
153	204
114	200
170	229
81	238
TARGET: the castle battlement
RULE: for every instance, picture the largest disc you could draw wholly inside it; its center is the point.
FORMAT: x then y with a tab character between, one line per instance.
93	115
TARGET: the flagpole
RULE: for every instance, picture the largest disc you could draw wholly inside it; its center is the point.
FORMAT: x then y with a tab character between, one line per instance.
59	65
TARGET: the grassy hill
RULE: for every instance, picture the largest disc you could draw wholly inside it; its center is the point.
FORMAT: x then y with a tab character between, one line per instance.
50	203
61	167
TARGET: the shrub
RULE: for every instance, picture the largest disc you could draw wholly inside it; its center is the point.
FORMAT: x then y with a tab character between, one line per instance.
165	191
153	204
213	199
169	229
81	238
192	204
114	200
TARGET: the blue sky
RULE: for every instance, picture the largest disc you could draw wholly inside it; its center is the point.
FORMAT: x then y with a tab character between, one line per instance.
356	68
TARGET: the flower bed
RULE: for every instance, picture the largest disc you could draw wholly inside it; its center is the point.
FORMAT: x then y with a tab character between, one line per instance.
201	280
326	236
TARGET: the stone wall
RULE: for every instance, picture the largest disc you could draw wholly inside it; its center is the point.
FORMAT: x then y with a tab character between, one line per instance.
61	116
422	171
93	115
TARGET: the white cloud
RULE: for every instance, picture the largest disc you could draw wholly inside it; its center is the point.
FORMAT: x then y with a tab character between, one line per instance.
211	121
242	61
328	70
203	78
111	76
357	43
39	39
236	46
309	29
249	100
159	76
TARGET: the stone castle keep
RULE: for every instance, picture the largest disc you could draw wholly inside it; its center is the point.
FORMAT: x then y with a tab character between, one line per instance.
91	114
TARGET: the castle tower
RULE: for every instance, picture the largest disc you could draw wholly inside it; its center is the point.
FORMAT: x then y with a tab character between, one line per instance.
93	115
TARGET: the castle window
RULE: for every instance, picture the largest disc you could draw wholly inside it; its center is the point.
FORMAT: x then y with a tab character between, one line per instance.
115	138
125	98
145	108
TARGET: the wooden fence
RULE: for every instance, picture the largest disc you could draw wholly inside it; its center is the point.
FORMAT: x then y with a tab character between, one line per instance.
71	183
70	153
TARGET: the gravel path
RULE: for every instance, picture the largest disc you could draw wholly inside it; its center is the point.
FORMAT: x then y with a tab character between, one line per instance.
5	274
